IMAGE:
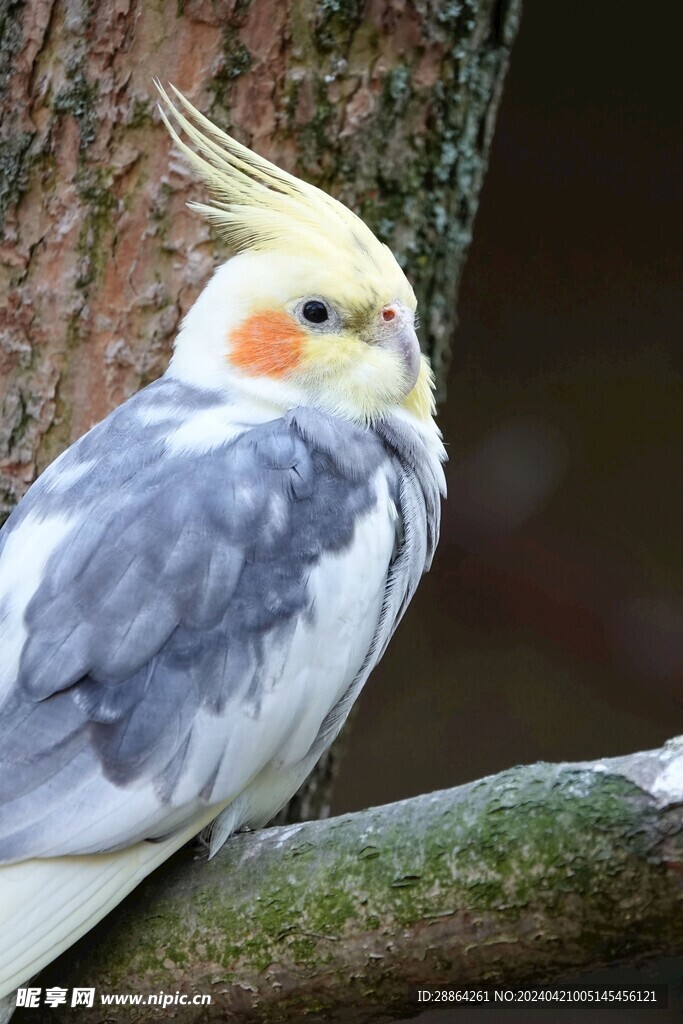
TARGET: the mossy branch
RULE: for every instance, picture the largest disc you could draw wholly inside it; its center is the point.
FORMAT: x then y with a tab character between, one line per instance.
533	875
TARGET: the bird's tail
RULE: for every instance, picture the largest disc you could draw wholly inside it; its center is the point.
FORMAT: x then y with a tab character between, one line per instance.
7	1007
47	904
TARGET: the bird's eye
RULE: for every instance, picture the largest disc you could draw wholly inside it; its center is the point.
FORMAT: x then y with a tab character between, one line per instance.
315	312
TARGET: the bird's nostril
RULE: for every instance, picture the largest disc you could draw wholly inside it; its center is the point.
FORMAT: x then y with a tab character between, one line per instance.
388	314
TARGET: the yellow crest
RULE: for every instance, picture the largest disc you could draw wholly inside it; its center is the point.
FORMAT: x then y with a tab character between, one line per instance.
257	206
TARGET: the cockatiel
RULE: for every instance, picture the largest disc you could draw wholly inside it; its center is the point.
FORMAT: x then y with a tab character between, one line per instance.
193	595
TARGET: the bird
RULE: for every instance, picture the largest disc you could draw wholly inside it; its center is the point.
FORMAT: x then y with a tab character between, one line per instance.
193	594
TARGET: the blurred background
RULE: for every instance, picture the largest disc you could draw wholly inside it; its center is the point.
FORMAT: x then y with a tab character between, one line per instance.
551	626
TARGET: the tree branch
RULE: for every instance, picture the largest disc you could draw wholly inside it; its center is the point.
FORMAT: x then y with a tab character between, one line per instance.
536	874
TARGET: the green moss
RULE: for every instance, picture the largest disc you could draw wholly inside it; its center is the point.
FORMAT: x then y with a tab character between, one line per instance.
538	844
237	60
302	949
335	21
397	84
507	851
141	114
293	89
416	186
10	36
79	98
240	10
15	169
93	186
20	418
99	203
57	437
313	137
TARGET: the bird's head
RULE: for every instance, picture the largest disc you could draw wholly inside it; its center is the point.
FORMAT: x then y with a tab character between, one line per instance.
312	309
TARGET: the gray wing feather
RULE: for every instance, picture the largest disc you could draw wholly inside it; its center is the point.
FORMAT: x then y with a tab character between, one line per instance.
186	576
418	484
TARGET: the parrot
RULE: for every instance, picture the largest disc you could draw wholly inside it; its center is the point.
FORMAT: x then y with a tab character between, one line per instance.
193	594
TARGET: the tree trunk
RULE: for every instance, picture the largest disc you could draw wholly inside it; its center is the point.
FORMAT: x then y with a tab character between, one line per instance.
531	876
387	104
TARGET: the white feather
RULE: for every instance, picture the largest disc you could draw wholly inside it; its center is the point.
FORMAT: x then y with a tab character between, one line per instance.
216	426
46	905
299	692
348	591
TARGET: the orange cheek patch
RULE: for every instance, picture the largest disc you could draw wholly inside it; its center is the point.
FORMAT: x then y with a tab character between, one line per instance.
266	343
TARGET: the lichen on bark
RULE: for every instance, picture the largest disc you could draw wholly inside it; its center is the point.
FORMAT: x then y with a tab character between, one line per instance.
388	105
392	113
536	874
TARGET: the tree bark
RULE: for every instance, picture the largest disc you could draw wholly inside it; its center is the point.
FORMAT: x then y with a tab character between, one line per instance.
387	104
530	876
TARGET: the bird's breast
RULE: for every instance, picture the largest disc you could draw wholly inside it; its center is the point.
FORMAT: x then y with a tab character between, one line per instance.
330	645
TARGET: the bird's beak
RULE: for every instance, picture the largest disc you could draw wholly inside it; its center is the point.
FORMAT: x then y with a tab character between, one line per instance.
395	331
